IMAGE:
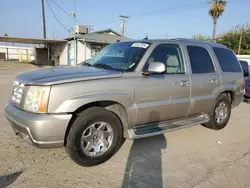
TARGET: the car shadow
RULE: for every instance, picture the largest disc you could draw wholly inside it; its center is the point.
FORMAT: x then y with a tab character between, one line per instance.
144	165
8	179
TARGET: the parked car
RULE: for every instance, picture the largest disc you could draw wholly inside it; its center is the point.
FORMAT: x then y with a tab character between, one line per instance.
132	89
245	67
247	90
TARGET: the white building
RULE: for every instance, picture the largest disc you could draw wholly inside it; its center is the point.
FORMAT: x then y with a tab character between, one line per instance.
17	52
70	51
87	45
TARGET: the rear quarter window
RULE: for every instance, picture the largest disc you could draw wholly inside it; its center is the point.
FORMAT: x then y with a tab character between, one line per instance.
227	60
244	65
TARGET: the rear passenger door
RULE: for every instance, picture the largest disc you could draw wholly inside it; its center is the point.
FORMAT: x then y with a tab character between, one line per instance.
204	79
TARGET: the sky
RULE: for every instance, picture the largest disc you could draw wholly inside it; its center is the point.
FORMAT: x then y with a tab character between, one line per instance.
157	18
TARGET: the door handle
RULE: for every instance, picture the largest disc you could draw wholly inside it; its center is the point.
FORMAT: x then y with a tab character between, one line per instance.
214	81
184	83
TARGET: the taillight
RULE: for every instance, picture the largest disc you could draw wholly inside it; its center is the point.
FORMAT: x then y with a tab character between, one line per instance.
244	85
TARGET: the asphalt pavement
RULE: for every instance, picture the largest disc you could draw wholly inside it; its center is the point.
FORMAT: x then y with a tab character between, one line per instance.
191	157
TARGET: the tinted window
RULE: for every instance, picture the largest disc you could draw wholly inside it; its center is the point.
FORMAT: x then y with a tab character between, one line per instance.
244	66
170	55
227	60
200	60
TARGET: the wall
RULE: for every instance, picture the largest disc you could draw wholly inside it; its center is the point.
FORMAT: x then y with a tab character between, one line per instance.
88	51
17	52
81	52
72	53
61	51
64	55
84	53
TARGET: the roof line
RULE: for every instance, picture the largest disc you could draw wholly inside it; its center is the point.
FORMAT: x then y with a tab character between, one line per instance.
29	40
108	29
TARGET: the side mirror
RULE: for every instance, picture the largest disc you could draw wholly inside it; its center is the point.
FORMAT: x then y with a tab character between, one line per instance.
155	68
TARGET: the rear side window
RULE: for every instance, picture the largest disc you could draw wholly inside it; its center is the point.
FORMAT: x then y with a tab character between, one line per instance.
227	60
244	66
200	60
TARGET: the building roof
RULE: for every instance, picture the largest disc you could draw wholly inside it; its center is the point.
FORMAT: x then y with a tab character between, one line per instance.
30	40
106	31
100	38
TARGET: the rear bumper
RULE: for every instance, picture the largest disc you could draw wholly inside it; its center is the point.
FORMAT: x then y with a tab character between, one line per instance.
40	130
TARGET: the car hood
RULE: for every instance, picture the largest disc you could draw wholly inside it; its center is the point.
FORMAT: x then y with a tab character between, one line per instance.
60	75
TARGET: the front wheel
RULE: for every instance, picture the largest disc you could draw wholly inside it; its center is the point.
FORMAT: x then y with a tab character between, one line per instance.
220	114
95	137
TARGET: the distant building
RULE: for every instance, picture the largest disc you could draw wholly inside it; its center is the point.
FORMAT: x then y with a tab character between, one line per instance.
88	45
70	51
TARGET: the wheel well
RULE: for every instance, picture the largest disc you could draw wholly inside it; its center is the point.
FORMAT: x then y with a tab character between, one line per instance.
115	107
230	95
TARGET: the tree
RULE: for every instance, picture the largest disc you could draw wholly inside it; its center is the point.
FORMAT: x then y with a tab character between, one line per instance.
201	37
215	12
232	38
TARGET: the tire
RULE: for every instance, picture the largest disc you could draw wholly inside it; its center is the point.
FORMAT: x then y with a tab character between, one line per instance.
213	124
86	123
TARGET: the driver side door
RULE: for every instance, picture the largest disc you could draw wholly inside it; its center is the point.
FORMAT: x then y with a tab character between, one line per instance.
161	97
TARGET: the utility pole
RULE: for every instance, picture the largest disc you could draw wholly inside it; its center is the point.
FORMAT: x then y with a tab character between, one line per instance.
75	12
44	23
240	42
90	28
75	40
123	19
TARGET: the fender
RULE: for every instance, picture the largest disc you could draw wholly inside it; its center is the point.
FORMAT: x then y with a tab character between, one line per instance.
124	108
72	104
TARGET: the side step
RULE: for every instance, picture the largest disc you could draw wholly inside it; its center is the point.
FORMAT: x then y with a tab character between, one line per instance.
167	126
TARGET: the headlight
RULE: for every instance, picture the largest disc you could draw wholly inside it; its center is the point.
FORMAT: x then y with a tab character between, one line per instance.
36	99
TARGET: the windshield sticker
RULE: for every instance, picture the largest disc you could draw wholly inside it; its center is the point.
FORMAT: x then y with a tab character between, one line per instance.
140	45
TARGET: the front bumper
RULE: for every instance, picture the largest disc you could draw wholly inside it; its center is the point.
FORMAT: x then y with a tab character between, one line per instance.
40	130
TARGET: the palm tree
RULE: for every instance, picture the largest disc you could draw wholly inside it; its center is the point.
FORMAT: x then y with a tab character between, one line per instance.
216	11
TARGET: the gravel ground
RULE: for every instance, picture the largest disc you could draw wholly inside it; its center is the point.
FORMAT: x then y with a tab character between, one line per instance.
192	157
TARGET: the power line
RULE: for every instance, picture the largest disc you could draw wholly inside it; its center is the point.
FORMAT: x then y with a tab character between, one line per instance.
56	17
65	11
176	9
170	9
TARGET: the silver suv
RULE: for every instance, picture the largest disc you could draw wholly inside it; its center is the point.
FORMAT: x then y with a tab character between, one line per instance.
131	89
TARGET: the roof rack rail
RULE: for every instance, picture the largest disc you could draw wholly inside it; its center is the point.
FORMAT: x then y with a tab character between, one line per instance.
202	41
181	39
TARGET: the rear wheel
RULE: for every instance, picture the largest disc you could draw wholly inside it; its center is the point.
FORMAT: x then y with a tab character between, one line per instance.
95	137
220	114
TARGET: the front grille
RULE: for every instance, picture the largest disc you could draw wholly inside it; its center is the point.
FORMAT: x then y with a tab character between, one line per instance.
17	93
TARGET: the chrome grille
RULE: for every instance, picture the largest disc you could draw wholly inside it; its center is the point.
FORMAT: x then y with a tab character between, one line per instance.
17	94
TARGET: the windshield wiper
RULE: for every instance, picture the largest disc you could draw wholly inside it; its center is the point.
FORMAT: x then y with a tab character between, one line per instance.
105	66
86	64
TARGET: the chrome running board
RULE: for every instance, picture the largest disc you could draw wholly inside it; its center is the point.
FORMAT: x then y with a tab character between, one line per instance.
167	126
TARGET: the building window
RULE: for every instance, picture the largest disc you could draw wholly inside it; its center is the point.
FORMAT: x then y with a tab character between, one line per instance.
95	48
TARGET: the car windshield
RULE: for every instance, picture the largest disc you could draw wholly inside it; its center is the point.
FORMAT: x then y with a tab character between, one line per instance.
123	56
